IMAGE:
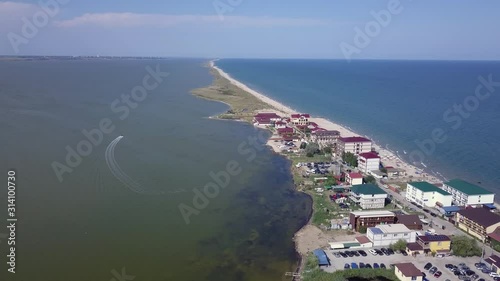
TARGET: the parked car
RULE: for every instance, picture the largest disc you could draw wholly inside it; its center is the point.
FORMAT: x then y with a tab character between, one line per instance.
481	279
438	274
355	253
404	253
347	266
494	274
343	254
354	265
362	253
479	265
373	252
474	277
349	253
390	251
382	266
449	266
336	254
469	272
361	265
433	270
380	253
485	270
368	265
428	266
375	265
496	278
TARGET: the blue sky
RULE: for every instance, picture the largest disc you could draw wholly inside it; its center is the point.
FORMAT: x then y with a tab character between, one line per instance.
446	29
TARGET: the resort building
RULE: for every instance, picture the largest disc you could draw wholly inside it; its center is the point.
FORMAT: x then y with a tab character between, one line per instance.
326	137
266	118
300	119
355	145
354	178
368	161
387	234
285	132
494	262
478	222
468	194
280	125
408	272
366	219
413	222
440	244
368	196
427	195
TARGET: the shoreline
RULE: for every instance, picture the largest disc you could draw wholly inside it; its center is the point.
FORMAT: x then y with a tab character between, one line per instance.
309	236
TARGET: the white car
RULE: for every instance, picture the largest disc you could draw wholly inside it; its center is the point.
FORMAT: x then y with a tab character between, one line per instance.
373	252
494	274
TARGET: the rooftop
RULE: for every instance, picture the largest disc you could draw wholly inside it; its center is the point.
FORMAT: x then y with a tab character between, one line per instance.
363	239
369	155
267	115
367	214
354	139
328	133
467	188
393	228
408	269
414	247
434	238
409	219
355	175
367	189
495	235
494	259
480	216
427	187
298	115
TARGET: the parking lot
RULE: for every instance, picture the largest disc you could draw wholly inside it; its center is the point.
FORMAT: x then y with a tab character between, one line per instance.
419	261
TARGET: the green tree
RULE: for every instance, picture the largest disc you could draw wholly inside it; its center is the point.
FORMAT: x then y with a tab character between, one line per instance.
362	229
327	150
370	179
350	159
311	149
303	145
464	246
400	245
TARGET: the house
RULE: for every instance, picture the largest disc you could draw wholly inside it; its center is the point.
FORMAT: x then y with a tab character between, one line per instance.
427	195
354	178
355	145
413	222
325	137
414	249
494	262
387	234
364	242
368	196
280	125
440	244
408	272
266	118
285	132
300	119
468	194
365	219
478	222
368	161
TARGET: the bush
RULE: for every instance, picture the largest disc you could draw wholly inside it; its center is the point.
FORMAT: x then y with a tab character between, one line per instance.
369	179
464	246
350	159
400	245
327	149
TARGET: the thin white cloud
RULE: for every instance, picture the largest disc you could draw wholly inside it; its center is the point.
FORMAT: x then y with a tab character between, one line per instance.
161	20
15	10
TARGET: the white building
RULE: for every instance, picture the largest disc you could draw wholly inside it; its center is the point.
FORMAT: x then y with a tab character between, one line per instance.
386	234
428	195
368	196
354	178
465	193
300	119
368	161
355	145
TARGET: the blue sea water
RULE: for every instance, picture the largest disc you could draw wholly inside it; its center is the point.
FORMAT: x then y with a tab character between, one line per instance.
428	109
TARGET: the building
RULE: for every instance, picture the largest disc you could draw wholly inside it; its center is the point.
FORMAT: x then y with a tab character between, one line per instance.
300	119
354	178
368	196
414	249
440	244
325	137
365	219
368	161
364	242
494	262
355	145
478	222
280	125
468	194
427	195
323	259
387	234
413	222
266	118
408	272
285	132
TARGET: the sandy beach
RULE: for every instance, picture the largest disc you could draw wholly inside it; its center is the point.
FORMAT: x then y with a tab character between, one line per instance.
388	158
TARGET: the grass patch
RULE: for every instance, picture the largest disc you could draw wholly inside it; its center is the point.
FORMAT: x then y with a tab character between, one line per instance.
243	104
316	158
313	273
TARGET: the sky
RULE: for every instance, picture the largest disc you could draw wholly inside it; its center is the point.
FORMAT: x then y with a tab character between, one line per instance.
336	29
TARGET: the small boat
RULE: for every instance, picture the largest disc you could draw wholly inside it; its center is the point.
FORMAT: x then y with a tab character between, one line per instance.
404	151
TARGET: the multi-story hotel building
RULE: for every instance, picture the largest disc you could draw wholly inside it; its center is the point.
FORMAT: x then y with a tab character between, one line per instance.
427	195
355	145
478	222
465	193
370	218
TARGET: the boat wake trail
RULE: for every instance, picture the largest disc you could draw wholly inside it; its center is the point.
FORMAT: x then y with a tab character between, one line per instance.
119	173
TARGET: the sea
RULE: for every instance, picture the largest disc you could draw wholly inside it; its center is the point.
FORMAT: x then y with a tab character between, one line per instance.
442	116
120	174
